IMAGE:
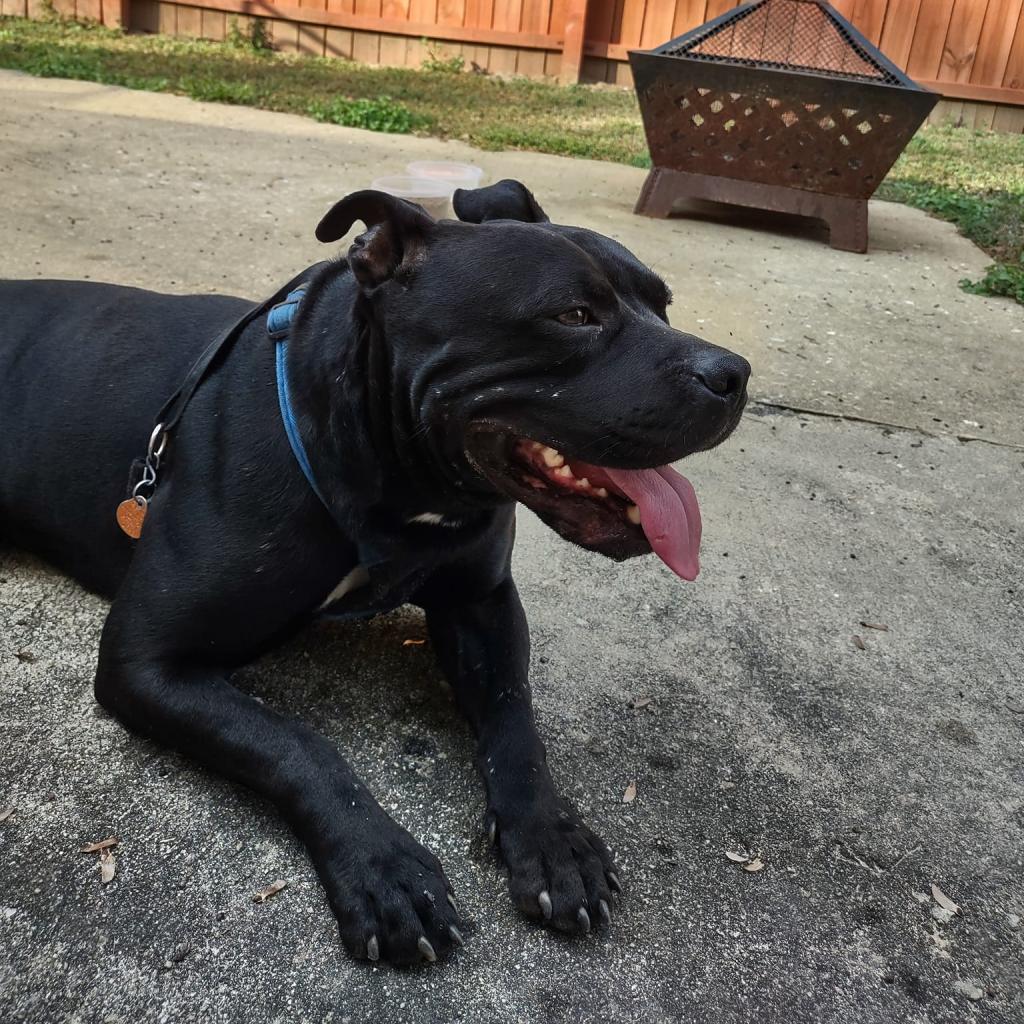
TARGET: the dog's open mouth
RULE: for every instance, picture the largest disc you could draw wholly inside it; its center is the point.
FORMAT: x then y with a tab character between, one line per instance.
618	512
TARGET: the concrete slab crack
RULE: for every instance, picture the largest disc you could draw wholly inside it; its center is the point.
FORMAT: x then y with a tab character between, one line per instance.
822	414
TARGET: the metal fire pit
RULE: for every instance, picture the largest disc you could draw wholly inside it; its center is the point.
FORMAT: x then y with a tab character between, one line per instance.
781	105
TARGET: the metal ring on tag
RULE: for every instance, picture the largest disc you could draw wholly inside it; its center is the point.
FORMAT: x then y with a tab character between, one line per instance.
148	479
158	432
144	482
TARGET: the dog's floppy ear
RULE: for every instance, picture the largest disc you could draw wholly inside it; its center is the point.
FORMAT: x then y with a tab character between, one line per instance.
395	231
505	200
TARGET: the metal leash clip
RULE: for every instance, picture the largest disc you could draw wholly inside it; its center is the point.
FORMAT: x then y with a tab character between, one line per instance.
132	511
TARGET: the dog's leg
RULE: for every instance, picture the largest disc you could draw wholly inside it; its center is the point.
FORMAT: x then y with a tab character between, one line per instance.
559	871
389	893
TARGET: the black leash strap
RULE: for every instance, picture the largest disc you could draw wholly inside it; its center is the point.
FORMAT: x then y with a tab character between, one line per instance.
142	481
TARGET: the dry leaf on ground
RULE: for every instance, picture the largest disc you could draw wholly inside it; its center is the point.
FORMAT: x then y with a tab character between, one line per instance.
875	625
858	643
413	643
103	844
943	900
271	890
755	865
108	866
630	795
640	702
737	858
5	813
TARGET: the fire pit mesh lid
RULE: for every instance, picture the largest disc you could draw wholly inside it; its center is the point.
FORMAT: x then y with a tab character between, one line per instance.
798	35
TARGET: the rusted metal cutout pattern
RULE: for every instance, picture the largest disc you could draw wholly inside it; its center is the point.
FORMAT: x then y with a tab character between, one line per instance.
821	137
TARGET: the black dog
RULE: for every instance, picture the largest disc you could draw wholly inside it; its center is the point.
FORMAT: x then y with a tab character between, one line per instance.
441	373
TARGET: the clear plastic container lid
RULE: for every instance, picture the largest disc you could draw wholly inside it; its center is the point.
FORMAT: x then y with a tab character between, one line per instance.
459	175
409	187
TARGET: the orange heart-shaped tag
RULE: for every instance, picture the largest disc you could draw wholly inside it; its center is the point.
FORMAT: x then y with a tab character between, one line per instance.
130	515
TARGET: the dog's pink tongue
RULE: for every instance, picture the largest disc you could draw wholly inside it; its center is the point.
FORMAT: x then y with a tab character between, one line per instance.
669	514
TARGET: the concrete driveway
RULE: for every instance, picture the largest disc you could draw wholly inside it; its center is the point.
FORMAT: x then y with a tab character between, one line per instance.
756	711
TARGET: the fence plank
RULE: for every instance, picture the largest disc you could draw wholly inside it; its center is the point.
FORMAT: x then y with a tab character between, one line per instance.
213	24
658	21
1009	119
961	47
190	21
449	12
929	39
167	18
366	47
901	19
689	14
557	12
717	7
338	43
869	16
506	15
632	23
392	53
996	40
599	20
1013	77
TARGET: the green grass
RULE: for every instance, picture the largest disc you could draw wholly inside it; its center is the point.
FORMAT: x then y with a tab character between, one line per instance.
975	179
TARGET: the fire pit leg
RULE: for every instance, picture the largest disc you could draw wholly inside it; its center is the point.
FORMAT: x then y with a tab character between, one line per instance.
847	218
658	195
847	221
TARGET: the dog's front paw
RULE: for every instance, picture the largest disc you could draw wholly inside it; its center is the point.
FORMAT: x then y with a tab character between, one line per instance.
391	898
560	873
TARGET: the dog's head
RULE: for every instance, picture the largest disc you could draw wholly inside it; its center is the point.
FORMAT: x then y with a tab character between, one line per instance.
534	361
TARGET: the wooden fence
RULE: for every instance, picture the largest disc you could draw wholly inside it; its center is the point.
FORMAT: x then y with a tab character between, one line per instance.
971	51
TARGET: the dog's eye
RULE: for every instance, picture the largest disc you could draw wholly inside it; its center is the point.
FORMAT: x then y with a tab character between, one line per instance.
578	317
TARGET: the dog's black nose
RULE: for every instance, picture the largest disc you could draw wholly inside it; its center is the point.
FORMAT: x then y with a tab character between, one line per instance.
724	373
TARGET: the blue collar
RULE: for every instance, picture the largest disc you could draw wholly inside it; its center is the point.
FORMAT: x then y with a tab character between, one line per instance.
279	322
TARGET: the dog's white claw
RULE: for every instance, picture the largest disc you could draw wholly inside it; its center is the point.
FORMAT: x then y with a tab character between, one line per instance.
373	949
613	882
583	920
451	901
492	830
545	905
455	935
424	946
605	912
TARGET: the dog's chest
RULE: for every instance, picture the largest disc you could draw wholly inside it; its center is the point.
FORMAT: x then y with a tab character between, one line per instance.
355	579
385	576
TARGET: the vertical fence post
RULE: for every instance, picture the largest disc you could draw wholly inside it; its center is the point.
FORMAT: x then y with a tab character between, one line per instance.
572	44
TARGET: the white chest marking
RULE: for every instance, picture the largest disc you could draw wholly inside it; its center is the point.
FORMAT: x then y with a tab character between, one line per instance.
358	577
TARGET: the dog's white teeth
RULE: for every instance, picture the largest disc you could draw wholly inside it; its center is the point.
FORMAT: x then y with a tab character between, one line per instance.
633	514
563	471
584	482
601	492
536	446
552	458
